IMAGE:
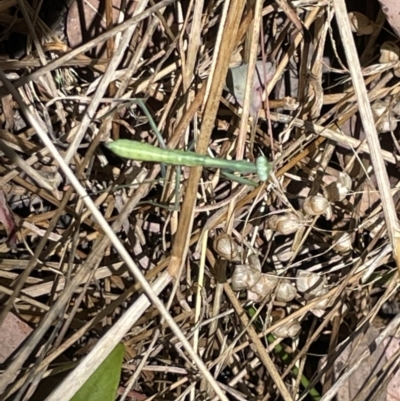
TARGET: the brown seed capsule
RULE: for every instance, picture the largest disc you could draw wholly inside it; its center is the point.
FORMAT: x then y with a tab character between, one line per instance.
313	285
389	52
244	278
309	282
338	190
272	221
264	287
383	115
285	224
360	23
322	305
254	262
342	241
289	330
227	248
285	291
317	205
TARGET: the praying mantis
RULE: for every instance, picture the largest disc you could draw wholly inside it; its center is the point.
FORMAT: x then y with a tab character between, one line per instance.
140	151
135	150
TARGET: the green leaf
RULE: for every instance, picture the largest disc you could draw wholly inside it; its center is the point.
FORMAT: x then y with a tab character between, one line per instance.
103	384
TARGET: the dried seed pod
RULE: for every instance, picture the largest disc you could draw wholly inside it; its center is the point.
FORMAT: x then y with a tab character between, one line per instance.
322	305
254	262
332	192
387	124
272	221
283	253
383	116
317	205
389	52
285	291
360	23
288	224
312	285
338	190
379	108
309	282
263	287
343	243
226	247
244	278
289	330
285	224
345	180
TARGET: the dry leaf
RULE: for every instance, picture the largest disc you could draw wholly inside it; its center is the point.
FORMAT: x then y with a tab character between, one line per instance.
393	390
236	82
391	9
13	332
368	368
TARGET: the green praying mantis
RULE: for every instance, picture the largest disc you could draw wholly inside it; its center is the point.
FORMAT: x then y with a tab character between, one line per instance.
140	151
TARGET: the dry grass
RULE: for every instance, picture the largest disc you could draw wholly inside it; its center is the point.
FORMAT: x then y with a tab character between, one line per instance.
96	232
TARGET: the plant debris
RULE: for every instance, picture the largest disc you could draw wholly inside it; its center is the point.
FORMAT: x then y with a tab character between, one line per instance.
218	286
